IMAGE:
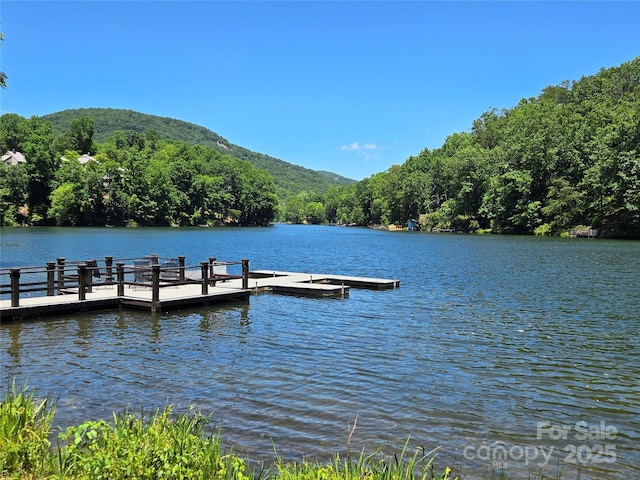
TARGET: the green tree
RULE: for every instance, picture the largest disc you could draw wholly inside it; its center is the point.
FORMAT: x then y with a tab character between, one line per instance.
506	203
295	208
315	213
64	205
41	163
14	183
12	132
563	206
81	134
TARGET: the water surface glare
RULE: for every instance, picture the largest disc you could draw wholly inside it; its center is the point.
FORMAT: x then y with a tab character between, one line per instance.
494	348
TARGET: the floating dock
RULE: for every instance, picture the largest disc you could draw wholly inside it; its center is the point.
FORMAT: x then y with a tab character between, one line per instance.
288	282
163	289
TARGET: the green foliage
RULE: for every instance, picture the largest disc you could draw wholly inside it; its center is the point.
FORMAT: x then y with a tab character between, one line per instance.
14	183
135	178
543	230
289	179
570	156
81	135
35	140
376	466
25	425
63	203
164	446
134	447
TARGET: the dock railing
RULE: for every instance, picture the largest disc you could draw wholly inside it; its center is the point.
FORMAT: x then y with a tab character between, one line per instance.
81	277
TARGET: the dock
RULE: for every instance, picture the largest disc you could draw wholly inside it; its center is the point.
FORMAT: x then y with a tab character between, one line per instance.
157	285
287	282
583	233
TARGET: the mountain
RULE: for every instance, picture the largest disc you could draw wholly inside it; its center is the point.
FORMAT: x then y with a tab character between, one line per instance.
289	178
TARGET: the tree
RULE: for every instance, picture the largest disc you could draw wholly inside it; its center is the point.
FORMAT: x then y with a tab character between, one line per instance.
507	203
64	205
12	132
81	133
14	183
3	76
295	208
315	213
41	163
563	205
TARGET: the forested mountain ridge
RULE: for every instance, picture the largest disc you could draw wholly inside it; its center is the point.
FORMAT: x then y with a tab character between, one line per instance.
290	179
131	179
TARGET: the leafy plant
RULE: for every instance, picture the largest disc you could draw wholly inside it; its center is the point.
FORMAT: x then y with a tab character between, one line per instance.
135	447
25	424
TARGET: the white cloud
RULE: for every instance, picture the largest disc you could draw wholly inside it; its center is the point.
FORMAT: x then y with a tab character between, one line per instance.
365	150
356	147
351	148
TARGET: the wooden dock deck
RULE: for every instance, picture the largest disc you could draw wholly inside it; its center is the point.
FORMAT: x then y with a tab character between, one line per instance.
106	298
194	288
273	278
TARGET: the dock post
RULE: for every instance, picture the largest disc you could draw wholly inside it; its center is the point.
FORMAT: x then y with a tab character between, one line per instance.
181	259
245	273
204	266
120	273
154	259
82	281
90	275
51	276
108	261
155	287
15	287
60	274
211	270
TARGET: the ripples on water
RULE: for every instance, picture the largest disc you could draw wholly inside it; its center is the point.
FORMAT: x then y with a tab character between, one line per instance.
486	337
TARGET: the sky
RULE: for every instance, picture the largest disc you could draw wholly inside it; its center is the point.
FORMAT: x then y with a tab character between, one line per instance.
351	87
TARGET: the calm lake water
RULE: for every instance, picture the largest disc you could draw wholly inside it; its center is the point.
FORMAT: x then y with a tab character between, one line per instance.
519	353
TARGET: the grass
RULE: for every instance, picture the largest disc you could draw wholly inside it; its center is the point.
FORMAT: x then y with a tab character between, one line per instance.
166	446
25	425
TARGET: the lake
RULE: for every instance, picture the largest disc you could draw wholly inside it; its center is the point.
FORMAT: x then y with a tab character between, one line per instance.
514	353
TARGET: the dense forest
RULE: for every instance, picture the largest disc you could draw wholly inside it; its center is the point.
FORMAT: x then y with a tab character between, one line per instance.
289	179
131	179
568	158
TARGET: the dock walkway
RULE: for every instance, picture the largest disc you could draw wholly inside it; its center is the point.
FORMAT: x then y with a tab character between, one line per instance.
106	298
194	291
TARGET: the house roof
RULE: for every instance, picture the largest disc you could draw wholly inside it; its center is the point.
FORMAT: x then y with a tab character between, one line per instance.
13	158
86	158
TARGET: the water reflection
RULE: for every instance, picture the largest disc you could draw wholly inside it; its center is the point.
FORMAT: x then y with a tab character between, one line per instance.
13	332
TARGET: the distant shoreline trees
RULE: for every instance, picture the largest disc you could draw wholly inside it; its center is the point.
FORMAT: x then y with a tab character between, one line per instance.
565	159
569	157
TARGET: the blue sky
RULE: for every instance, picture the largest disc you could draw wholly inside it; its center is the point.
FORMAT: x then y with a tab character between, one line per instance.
352	87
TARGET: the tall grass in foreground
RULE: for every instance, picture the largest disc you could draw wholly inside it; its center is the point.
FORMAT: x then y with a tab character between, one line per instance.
162	446
376	466
25	425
